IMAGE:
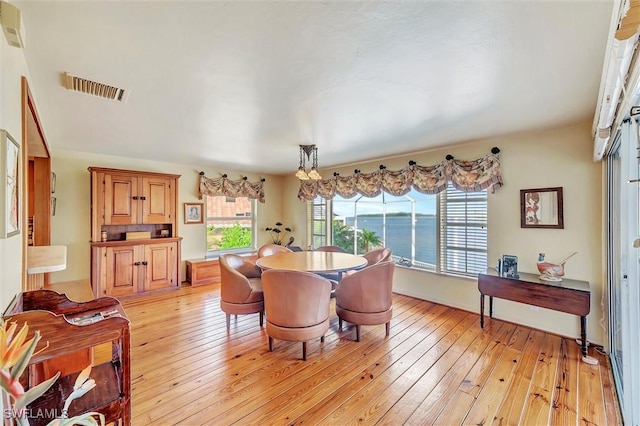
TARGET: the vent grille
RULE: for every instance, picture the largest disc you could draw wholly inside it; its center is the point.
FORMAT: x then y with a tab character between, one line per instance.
94	88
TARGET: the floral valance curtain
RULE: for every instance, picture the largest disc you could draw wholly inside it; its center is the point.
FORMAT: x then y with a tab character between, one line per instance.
466	176
231	188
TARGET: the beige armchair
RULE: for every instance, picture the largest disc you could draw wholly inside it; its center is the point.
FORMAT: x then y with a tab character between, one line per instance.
365	297
269	249
297	306
378	255
240	287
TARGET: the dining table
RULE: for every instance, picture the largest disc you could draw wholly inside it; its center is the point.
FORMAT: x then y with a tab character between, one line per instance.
317	262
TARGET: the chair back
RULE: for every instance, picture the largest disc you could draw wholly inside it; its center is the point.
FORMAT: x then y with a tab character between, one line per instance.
378	255
335	249
269	249
295	298
367	290
235	273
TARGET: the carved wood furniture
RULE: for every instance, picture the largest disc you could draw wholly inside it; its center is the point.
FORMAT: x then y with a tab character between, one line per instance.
125	203
569	296
68	348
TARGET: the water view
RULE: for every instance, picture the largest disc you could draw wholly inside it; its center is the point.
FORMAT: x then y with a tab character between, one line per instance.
398	236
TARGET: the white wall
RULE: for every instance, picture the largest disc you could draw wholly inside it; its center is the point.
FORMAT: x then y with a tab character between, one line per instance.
12	68
71	224
540	159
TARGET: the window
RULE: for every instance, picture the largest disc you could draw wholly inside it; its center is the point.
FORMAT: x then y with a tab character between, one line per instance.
317	222
445	232
463	236
230	224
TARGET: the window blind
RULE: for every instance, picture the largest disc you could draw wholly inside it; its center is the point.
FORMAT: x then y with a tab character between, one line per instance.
463	227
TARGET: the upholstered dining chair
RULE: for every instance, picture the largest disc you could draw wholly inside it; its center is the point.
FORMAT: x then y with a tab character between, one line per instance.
331	248
375	256
378	255
333	277
269	249
296	305
365	297
240	287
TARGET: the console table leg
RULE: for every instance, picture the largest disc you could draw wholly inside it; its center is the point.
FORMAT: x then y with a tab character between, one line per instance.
583	334
481	310
490	306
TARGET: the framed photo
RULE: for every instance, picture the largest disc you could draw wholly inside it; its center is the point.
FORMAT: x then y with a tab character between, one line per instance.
9	185
193	213
509	266
541	208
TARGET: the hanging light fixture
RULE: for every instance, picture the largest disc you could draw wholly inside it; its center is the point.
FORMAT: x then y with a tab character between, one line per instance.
311	153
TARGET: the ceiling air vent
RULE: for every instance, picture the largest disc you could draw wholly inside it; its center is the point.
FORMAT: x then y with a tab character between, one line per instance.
94	88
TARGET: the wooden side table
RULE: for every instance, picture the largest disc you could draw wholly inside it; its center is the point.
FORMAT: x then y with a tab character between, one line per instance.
68	327
569	296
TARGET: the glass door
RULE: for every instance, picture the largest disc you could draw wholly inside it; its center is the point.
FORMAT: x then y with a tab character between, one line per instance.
614	166
623	215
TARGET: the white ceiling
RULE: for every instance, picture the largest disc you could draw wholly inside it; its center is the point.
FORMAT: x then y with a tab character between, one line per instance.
241	84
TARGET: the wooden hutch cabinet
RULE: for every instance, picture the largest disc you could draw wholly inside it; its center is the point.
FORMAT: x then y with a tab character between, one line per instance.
134	243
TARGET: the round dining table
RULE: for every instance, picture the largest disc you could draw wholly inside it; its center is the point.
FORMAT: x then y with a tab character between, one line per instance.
313	261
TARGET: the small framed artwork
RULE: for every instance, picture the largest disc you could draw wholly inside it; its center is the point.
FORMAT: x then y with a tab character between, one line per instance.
541	208
509	266
9	185
193	213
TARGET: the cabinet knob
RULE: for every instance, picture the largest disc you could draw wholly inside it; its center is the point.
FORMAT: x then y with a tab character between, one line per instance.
145	263
136	264
135	197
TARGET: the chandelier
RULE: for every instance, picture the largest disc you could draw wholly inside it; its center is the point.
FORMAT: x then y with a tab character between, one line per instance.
308	151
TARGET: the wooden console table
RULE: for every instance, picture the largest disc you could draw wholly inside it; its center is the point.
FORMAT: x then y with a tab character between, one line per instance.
569	296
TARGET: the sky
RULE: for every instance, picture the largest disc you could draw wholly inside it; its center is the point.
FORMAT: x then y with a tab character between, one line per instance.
425	204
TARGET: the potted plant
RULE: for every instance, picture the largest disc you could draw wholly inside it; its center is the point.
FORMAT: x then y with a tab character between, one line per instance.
278	233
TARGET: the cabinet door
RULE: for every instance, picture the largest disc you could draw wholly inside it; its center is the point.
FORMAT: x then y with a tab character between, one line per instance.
123	270
121	200
160	266
156	200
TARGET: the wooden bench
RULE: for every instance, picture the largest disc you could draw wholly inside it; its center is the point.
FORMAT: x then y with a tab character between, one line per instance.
205	271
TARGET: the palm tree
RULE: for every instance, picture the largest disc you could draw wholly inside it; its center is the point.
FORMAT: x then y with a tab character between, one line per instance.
368	239
343	236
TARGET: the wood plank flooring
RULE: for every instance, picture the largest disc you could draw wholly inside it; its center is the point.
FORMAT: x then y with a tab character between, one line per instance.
437	367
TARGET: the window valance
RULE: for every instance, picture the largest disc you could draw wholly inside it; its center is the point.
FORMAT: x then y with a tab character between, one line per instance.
467	176
231	188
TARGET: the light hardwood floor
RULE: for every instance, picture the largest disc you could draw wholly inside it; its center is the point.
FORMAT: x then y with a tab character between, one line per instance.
436	367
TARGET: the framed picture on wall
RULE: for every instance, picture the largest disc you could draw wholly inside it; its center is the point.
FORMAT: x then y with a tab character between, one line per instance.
541	208
9	185
193	213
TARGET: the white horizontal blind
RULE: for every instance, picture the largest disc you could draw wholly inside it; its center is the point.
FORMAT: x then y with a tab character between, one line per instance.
463	228
317	222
